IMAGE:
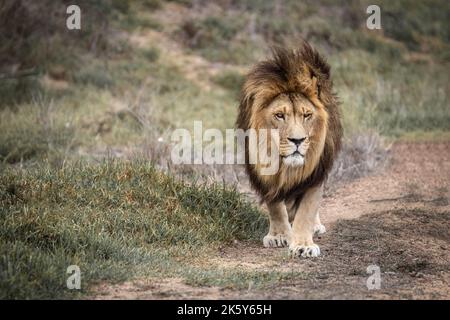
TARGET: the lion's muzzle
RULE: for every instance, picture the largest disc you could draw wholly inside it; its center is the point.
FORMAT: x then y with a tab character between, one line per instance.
293	151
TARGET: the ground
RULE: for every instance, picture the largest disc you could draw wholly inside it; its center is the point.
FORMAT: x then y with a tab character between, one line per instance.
397	219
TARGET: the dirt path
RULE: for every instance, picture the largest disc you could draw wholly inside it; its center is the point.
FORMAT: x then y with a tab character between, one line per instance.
418	173
398	220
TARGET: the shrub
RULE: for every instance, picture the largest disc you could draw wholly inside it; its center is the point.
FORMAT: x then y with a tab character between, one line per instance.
230	80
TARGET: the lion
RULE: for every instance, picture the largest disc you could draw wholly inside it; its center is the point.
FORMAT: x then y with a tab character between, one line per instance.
292	92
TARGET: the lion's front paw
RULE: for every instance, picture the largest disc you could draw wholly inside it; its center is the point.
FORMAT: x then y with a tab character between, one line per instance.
305	251
319	229
278	241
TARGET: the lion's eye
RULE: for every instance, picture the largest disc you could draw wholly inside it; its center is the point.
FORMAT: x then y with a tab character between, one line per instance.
307	115
279	116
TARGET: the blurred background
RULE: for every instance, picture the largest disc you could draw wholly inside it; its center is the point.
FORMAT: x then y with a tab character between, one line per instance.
138	69
115	90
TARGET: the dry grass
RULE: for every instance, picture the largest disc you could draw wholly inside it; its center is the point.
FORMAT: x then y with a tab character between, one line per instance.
361	155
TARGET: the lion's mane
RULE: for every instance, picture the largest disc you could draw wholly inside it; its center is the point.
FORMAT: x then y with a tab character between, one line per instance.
292	71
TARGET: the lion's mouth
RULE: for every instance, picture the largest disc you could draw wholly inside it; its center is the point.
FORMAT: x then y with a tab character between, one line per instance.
295	159
296	153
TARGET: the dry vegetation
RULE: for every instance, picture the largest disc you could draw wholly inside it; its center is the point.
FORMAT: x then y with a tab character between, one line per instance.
86	117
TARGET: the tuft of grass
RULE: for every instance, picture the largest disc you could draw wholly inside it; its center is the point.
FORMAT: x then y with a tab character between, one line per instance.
151	54
96	75
17	91
32	132
115	220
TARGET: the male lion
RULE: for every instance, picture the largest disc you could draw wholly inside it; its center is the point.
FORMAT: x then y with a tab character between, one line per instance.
292	92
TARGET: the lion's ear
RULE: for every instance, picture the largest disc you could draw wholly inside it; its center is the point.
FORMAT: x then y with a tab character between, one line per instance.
310	82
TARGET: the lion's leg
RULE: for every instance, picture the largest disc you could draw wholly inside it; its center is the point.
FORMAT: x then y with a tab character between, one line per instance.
280	230
290	206
304	222
319	228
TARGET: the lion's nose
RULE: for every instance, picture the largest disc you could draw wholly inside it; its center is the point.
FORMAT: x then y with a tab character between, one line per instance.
297	142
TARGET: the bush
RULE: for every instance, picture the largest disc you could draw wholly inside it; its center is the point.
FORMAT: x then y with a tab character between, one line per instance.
230	80
96	76
152	4
209	32
151	54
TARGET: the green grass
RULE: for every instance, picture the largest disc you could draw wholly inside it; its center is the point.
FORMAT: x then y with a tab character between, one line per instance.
392	98
395	82
33	131
333	25
116	221
380	87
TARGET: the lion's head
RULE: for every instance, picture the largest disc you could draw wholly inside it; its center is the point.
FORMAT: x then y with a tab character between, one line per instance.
292	92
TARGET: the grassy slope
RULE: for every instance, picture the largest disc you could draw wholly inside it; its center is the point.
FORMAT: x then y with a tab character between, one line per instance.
115	220
120	220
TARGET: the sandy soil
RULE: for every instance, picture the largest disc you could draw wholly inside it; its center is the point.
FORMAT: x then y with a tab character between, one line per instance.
398	219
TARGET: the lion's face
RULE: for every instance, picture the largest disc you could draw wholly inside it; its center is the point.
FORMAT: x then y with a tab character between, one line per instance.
296	119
